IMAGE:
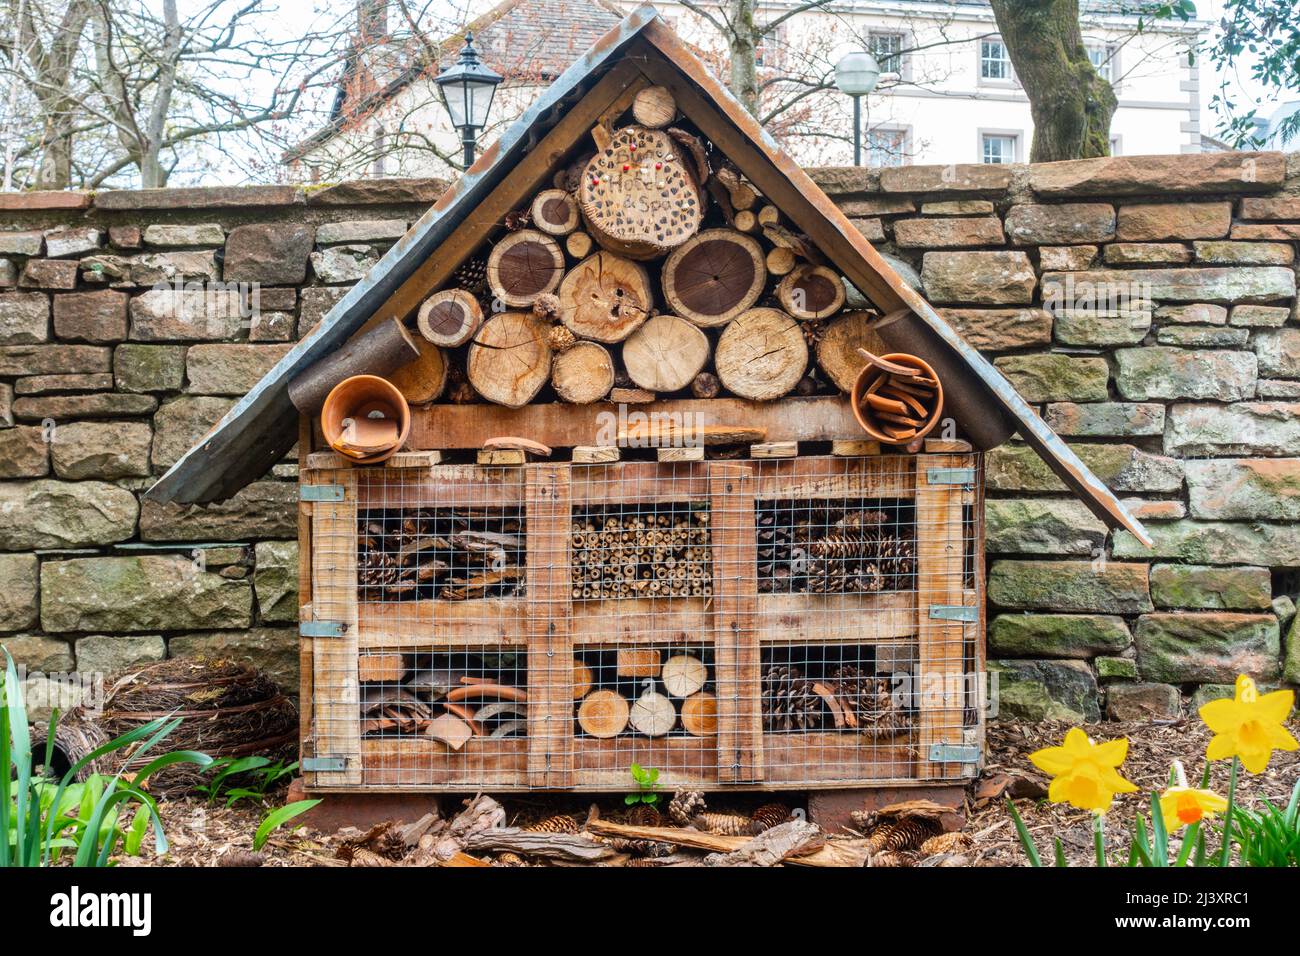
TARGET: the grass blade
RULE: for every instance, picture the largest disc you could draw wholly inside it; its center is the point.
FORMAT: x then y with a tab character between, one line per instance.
1026	841
1159	835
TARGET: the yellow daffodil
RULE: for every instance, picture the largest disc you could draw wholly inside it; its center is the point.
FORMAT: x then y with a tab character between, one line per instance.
1084	773
1181	806
1249	725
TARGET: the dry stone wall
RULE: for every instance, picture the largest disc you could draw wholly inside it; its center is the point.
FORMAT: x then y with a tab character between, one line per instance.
1145	305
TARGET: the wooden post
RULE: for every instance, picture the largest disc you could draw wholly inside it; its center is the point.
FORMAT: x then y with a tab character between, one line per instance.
336	717
940	557
735	600
550	642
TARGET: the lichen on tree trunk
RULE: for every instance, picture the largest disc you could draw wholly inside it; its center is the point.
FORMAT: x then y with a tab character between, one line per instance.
1070	103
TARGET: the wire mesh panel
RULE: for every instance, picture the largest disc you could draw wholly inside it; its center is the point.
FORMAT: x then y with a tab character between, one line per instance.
796	622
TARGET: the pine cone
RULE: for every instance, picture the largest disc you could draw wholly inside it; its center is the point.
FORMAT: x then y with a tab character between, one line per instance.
560	339
770	815
872	701
894	858
644	815
812	332
471	275
954	842
685	806
896	835
789	701
510	859
558	823
838	545
896	557
725	824
517	219
547	307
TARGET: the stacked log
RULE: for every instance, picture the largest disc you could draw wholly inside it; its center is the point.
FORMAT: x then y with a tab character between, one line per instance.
640	555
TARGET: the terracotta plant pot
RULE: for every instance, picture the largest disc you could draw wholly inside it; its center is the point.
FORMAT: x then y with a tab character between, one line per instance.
866	383
366	419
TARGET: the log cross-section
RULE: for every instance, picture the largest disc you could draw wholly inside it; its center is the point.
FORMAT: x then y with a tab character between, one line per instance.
550	640
735	604
336	717
940	567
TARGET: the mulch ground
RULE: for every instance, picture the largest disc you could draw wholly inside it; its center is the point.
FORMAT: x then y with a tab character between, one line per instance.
202	835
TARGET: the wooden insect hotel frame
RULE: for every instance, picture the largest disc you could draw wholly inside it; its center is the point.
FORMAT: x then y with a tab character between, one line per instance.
630	516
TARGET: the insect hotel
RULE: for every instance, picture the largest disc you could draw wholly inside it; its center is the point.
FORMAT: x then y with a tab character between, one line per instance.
634	451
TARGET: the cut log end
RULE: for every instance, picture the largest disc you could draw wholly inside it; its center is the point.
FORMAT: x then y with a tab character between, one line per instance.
665	354
583	373
700	714
555	212
423	380
811	292
605	298
652	714
603	714
714	277
510	359
761	355
683	675
524	265
654	107
449	318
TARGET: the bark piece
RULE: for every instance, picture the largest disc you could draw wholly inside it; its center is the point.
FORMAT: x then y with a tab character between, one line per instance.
639	195
700	714
424	379
605	298
378	351
654	107
561	847
524	265
761	355
665	354
837	349
811	292
555	212
509	361
653	714
603	713
449	318
714	277
772	847
683	675
583	374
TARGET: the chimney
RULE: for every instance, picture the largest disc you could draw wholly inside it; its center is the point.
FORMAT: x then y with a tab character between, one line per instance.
372	19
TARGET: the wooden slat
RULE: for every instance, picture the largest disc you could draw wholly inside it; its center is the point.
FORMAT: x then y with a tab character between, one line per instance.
305	668
940	560
550	643
336	724
877	476
418	762
611	95
735	599
814	418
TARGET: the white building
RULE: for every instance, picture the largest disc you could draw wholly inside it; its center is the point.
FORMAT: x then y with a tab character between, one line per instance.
951	94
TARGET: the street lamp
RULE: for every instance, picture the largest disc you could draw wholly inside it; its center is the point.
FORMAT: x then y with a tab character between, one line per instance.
467	89
856	75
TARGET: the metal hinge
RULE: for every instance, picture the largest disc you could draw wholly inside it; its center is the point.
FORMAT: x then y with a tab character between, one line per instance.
950	476
954	753
320	492
954	612
324	764
321	628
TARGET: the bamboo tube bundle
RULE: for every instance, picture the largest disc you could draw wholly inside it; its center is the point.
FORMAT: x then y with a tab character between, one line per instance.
626	554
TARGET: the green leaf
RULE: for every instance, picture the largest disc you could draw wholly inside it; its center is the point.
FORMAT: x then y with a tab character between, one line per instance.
278	818
1022	831
1099	838
1190	836
632	798
1159	835
1060	853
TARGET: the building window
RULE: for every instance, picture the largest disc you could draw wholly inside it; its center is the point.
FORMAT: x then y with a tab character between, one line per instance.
995	62
887	147
1103	61
770	51
998	148
887	48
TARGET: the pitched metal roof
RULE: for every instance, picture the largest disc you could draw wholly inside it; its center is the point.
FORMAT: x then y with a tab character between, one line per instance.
262	426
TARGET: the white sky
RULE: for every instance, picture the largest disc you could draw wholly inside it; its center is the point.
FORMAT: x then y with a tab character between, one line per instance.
288	18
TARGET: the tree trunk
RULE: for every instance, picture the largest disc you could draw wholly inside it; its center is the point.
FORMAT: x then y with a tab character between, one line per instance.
1071	105
742	44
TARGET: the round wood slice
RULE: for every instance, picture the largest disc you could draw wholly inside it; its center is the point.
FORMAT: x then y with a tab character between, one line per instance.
583	373
555	212
714	277
578	245
706	385
509	361
837	350
524	265
654	107
683	675
582	680
665	354
761	355
769	216
811	292
449	318
424	379
639	195
605	298
745	221
781	261
700	714
603	713
652	714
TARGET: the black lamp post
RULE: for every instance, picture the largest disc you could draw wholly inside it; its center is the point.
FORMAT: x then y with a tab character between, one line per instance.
467	90
856	75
